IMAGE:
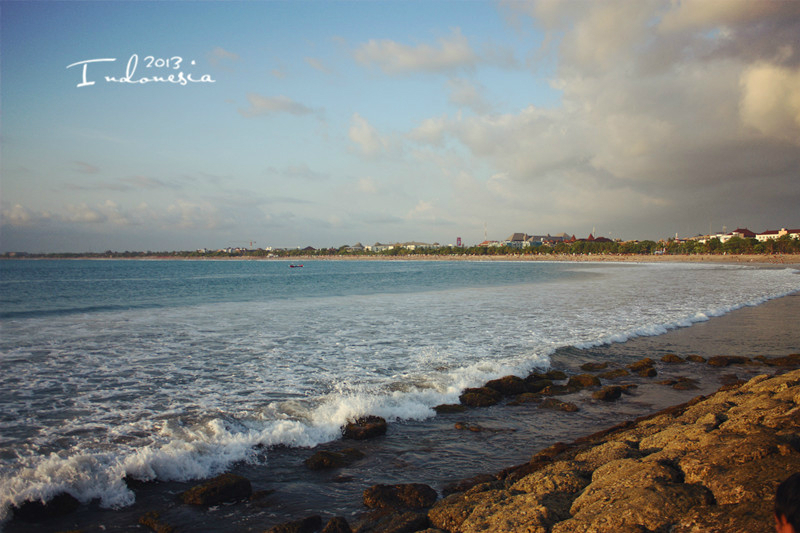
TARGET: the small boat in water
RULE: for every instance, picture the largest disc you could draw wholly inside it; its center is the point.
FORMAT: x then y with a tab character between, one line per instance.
295	266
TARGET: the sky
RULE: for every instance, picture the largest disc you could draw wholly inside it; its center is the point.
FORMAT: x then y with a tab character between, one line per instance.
322	124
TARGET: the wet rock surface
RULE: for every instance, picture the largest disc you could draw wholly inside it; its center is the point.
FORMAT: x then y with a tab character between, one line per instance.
221	489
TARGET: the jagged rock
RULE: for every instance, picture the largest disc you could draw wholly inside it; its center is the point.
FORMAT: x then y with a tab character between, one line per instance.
405	496
152	519
737	518
508	385
447	408
337	524
310	524
672	358
727	360
365	427
552	403
525	397
552	375
59	505
582	381
608	393
324	459
694	358
480	397
221	489
594	367
614	374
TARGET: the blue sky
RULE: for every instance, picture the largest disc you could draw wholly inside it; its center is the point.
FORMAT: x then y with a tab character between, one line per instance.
329	123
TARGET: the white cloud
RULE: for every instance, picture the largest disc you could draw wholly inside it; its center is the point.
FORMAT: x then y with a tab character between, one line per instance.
366	136
317	64
771	101
268	105
17	215
452	53
219	57
465	93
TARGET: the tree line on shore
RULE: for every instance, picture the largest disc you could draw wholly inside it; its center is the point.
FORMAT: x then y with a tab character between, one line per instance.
735	245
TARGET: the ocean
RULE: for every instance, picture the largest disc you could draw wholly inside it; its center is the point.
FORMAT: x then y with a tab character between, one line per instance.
173	371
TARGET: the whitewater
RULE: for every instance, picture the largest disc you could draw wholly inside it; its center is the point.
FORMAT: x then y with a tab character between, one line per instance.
175	370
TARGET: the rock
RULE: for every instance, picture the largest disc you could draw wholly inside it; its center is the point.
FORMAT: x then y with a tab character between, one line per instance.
152	520
470	427
788	361
593	367
393	521
508	385
727	360
447	408
685	384
34	511
480	397
552	403
738	518
525	397
324	459
406	496
466	484
694	358
614	374
641	364
582	381
647	372
337	524
672	358
310	524
365	427
221	489
534	386
608	393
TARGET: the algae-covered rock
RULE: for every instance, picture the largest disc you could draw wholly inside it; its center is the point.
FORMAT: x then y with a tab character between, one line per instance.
508	385
480	397
582	381
552	403
323	459
409	495
365	427
608	393
221	489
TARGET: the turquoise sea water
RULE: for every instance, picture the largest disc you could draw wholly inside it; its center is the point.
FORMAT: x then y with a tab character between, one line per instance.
174	370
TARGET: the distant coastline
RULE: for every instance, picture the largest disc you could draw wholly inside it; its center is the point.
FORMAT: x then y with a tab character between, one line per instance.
753	259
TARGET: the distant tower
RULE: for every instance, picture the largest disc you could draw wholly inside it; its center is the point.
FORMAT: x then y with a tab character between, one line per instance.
458	242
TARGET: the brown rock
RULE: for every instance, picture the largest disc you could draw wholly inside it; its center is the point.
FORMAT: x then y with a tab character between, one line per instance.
508	385
323	460
479	397
694	358
410	495
727	360
525	397
608	393
448	408
365	427
641	364
310	524
582	381
466	484
538	385
221	489
594	367
552	403
648	372
337	524
614	374
152	520
34	511
392	521
738	518
672	358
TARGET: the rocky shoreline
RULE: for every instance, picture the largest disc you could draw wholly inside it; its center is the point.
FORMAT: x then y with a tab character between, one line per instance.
711	464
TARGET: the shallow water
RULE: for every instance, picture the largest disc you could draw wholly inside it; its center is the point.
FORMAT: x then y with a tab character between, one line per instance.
199	376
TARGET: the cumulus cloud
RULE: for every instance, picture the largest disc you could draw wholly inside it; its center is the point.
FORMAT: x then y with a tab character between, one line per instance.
452	53
269	105
468	94
17	215
669	112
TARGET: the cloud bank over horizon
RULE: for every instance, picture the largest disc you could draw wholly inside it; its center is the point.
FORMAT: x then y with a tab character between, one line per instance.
642	119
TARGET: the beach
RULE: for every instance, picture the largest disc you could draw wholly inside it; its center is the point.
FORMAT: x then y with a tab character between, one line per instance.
486	441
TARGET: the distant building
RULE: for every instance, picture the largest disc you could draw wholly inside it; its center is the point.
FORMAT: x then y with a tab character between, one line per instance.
777	234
